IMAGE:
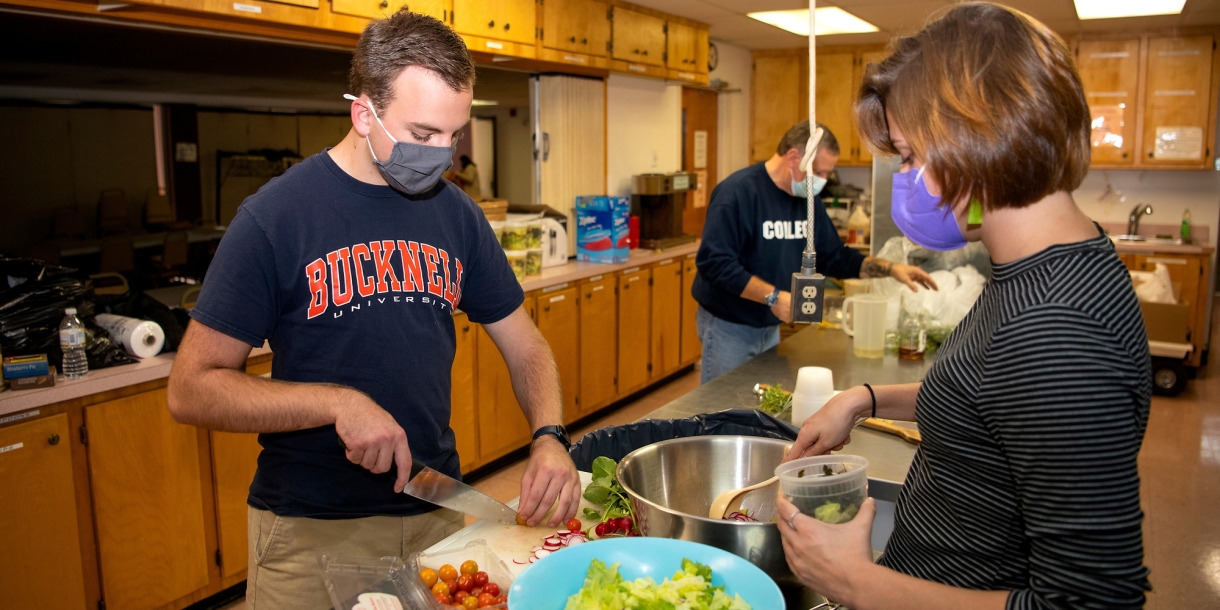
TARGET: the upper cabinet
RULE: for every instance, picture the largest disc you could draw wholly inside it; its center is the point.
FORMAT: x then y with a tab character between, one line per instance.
637	38
680	46
1179	102
578	26
834	99
779	97
1109	70
510	20
377	9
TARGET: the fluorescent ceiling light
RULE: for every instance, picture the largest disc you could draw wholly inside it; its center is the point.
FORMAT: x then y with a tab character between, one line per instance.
484	103
1109	9
830	20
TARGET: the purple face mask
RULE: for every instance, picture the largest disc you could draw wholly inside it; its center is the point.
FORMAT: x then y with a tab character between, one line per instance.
919	214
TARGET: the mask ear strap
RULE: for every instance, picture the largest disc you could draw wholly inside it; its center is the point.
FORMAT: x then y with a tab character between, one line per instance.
348	96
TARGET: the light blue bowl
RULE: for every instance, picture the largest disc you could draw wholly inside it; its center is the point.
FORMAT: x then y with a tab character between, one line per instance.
549	583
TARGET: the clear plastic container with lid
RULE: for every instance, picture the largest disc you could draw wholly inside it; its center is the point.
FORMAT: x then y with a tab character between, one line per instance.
829	488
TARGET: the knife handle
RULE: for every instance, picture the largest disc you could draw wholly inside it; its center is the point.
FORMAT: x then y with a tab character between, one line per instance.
417	465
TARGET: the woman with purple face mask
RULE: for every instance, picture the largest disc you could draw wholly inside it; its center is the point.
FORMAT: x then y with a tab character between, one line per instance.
1025	490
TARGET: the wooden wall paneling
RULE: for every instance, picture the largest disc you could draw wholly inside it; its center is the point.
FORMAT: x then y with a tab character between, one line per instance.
40	552
665	337
462	416
634	349
147	486
1178	101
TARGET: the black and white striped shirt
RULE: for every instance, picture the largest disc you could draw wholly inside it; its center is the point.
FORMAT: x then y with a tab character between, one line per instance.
1032	419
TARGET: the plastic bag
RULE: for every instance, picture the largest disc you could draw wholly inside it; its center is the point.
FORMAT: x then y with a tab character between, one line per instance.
616	442
1154	287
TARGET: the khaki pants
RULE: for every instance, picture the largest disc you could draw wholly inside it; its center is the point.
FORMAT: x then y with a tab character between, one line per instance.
284	570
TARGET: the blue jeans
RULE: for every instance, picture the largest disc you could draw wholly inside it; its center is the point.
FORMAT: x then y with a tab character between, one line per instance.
727	345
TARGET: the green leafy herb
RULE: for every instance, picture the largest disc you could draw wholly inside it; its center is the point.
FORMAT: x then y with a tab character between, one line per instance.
774	400
592	514
605	490
826	470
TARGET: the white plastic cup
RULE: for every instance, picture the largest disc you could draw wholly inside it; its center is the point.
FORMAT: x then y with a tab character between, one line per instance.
814	387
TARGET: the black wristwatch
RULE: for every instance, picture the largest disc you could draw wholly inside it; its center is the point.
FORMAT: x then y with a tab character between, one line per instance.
773	298
559	432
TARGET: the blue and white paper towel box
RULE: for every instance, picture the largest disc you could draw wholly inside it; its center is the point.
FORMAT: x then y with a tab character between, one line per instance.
602	229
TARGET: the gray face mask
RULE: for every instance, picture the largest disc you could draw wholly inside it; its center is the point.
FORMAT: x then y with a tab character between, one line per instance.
412	168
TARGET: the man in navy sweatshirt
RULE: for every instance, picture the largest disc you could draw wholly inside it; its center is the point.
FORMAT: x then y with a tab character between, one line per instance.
752	244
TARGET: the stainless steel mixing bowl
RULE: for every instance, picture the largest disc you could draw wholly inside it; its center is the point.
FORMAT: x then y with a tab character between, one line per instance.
672	484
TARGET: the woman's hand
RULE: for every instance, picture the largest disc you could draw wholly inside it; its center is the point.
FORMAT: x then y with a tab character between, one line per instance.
826	557
830	428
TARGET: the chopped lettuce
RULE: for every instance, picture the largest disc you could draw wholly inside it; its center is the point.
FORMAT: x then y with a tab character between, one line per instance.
689	589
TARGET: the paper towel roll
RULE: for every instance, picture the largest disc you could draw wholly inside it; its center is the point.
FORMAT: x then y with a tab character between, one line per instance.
141	338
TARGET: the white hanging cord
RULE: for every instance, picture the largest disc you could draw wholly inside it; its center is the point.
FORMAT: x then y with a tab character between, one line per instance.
809	258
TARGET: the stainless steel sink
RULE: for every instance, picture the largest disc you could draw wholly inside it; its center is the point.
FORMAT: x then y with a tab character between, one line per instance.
1144	239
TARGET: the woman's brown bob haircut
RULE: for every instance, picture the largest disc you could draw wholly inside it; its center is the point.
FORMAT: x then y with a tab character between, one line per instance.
989	99
404	39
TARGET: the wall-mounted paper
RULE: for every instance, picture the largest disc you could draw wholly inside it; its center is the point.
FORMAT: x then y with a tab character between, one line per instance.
700	149
1178	143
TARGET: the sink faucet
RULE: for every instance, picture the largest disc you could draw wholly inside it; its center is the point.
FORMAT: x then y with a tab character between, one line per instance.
1133	221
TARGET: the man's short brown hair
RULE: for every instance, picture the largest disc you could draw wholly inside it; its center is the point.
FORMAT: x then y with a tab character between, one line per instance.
798	135
390	45
989	99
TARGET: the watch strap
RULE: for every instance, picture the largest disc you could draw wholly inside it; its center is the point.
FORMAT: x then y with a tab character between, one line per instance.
773	298
559	432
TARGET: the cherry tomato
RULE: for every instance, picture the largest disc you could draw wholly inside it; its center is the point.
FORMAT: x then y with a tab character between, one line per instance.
460	595
428	575
502	598
573	525
440	587
469	567
625	524
470	603
443	598
521	521
477	591
492	588
486	600
480	580
465	582
448	572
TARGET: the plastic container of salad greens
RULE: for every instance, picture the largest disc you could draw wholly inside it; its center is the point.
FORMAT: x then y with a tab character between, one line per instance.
829	488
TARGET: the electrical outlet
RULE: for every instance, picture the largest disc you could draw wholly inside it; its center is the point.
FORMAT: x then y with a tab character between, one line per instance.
807	298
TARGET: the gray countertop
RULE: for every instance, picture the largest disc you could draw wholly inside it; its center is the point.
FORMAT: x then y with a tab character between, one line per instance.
889	456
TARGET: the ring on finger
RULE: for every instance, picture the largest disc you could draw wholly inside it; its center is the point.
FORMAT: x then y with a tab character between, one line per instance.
792	517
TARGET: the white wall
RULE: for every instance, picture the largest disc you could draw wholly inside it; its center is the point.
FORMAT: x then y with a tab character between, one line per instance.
644	125
733	128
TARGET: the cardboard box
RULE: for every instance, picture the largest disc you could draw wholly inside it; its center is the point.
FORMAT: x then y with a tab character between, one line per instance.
493	209
37	381
16	367
1166	322
602	229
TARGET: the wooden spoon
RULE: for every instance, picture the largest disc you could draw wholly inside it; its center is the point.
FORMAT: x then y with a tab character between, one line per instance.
721	504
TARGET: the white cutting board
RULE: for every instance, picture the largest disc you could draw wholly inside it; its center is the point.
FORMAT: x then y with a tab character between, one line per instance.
511	542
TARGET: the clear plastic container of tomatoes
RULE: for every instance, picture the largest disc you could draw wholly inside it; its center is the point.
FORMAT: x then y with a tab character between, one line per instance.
487	562
358	583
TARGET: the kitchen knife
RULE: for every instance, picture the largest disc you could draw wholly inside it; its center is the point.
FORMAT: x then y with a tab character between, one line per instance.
443	490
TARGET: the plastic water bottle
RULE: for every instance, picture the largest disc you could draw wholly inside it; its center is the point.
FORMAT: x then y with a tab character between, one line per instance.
72	344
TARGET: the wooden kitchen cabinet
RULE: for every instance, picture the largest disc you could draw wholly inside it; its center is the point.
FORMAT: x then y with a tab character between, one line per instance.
40	549
502	426
634	348
665	334
680	47
1109	71
779	97
559	324
568	25
863	155
461	398
234	461
701	51
691	349
1177	101
598	345
598	27
379	9
835	75
511	20
638	38
1189	274
148	504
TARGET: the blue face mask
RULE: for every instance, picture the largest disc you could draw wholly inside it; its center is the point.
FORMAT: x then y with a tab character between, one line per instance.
800	190
919	214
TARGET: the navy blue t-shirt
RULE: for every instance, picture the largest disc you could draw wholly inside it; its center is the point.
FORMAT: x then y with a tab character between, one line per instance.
355	284
755	228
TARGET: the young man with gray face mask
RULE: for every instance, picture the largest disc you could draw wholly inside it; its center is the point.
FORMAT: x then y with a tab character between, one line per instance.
752	243
350	265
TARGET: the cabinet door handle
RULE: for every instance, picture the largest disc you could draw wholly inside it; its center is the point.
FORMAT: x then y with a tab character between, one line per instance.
466	328
645	51
384	3
405	8
546	308
491	24
584	41
506	26
572	39
636	51
588	295
53	440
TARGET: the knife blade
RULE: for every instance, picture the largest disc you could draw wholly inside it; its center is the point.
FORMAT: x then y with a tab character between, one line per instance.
443	490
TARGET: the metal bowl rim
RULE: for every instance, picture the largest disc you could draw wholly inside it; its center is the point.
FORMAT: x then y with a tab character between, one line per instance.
618	470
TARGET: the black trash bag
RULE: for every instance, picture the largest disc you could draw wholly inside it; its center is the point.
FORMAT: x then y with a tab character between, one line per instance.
616	442
33	296
136	304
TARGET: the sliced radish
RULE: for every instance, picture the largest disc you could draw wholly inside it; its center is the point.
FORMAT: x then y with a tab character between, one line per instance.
575	541
542	553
